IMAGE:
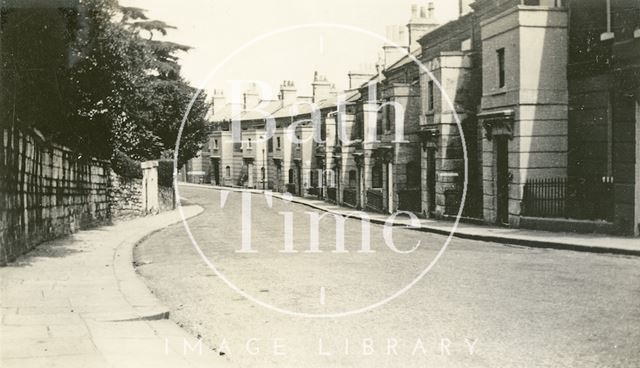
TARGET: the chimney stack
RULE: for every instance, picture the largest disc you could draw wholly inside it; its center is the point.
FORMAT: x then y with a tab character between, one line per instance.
421	24
321	87
218	99
361	76
288	92
250	98
392	53
465	7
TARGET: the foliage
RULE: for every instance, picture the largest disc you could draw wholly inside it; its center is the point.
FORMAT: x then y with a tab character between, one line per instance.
106	86
125	166
165	173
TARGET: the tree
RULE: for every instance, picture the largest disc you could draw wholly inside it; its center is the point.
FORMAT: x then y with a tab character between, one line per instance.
105	84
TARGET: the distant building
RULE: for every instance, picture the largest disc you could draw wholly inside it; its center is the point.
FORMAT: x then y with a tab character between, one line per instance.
527	110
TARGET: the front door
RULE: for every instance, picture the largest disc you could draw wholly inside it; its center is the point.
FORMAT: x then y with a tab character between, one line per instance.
216	172
502	180
431	182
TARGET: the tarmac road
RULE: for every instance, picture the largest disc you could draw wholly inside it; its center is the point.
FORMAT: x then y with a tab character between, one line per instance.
481	305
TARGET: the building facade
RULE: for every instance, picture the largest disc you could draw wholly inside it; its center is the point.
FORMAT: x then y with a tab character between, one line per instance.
521	113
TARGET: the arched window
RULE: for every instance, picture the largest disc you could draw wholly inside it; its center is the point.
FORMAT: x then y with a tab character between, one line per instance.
227	172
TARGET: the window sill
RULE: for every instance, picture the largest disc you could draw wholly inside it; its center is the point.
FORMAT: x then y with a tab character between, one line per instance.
498	92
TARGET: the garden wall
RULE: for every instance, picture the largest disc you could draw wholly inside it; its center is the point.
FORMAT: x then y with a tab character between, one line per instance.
46	191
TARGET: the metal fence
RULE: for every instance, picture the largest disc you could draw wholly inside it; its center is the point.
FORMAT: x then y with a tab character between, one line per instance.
574	198
350	197
374	200
331	194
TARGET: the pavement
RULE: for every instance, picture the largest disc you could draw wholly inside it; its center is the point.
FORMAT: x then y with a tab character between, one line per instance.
595	243
78	302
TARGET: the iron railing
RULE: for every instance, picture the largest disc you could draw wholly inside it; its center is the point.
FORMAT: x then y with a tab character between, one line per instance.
374	200
350	197
571	198
331	194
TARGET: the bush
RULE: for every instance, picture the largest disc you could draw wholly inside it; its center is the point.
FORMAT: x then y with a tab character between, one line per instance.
165	173
125	166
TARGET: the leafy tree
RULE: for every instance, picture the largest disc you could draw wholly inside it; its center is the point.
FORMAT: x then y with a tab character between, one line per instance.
106	84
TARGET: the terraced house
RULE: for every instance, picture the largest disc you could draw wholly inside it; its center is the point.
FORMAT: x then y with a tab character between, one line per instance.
525	111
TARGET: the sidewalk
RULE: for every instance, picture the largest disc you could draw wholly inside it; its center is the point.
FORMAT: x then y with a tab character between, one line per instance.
595	243
78	302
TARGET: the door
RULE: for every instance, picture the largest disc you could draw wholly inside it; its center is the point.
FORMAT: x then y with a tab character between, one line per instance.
431	182
502	180
216	172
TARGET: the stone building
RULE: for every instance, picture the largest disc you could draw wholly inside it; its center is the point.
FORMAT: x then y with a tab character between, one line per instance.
521	113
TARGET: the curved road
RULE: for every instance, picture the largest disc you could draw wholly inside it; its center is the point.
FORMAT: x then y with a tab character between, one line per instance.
482	304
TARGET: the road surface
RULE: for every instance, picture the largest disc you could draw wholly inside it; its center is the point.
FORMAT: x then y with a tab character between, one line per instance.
481	304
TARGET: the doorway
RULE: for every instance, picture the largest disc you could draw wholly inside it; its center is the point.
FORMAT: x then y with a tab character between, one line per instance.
502	180
216	172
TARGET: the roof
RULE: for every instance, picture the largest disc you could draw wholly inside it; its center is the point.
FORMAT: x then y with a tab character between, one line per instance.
268	107
405	60
223	114
294	109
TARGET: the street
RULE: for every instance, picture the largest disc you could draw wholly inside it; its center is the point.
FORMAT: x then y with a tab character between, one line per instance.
481	305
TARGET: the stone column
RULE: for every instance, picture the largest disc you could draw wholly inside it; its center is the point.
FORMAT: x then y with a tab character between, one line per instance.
150	186
636	222
250	174
390	187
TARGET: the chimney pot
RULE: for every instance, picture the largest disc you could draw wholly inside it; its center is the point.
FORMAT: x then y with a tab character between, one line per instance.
423	12
414	10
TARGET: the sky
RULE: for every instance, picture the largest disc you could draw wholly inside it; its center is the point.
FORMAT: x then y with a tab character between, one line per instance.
218	28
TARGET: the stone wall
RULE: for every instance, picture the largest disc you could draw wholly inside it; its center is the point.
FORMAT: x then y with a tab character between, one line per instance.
46	191
126	197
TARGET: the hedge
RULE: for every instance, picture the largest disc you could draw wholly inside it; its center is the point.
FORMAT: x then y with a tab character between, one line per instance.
165	173
125	166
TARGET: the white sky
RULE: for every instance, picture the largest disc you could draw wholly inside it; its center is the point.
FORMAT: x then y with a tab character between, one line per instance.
216	28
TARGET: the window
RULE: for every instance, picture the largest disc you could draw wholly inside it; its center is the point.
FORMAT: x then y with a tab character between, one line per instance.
352	179
314	178
215	144
501	67
278	142
270	144
388	117
376	176
262	172
291	176
432	99
227	172
249	142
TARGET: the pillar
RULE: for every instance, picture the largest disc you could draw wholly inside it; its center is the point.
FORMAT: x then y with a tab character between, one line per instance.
149	186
